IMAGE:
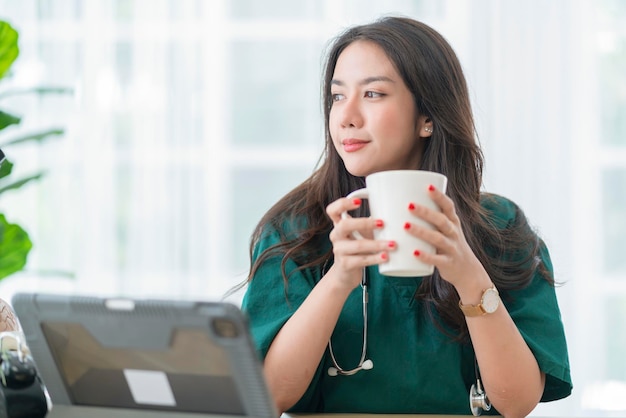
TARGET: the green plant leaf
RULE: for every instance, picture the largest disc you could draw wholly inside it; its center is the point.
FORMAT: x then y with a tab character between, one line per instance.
7	120
8	47
6	167
21	182
37	136
15	245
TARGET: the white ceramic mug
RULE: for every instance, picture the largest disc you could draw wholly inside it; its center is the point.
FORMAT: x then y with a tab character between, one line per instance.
389	194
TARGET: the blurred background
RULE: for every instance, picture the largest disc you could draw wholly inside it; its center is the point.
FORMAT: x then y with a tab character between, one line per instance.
190	118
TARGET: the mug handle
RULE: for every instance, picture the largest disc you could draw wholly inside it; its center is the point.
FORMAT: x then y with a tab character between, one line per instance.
360	193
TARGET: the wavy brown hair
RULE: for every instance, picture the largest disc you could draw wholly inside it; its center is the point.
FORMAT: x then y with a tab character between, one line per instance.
433	74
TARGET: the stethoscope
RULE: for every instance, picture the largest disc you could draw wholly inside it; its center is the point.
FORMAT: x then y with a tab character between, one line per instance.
477	396
364	364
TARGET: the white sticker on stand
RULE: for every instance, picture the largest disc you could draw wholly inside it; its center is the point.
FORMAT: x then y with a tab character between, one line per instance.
150	387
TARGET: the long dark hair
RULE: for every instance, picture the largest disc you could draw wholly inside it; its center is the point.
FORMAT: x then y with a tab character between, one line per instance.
433	74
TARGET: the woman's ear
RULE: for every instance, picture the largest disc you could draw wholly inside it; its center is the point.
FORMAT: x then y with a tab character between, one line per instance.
424	127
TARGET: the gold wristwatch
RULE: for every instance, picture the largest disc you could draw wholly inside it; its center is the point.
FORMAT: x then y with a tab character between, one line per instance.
489	302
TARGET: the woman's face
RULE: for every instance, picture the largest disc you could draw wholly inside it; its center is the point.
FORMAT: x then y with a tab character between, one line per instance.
373	121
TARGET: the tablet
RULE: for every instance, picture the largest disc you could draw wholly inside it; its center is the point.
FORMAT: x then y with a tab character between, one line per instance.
134	357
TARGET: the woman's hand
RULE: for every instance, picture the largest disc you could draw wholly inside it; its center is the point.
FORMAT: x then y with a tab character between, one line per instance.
510	373
295	353
454	258
351	254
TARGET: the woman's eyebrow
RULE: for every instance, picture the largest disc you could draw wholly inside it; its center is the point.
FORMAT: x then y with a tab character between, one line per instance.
365	81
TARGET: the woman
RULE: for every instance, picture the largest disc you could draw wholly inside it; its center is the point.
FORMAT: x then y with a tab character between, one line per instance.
395	97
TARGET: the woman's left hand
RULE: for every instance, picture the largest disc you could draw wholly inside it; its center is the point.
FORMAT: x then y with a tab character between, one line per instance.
454	258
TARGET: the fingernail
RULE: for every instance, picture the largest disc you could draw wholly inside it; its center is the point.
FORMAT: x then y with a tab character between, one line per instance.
431	188
411	206
407	225
391	244
379	223
356	201
416	253
384	256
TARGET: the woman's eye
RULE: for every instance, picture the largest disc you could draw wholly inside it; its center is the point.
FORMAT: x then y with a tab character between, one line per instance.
336	97
372	94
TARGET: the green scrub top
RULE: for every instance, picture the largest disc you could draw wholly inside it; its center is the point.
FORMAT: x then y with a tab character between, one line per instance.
417	368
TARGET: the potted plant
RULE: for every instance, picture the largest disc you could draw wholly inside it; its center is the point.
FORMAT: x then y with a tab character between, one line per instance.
15	243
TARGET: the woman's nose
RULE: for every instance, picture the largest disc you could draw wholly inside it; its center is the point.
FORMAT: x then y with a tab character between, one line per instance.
351	116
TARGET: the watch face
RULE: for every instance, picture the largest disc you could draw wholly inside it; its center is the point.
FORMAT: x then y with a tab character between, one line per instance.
491	300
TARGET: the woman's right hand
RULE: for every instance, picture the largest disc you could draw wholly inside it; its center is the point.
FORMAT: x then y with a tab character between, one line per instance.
351	254
295	353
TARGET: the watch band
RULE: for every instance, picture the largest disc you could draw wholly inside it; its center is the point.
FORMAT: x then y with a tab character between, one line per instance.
472	310
485	306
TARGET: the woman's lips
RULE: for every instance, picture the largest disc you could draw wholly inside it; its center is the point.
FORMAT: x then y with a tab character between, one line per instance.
352	145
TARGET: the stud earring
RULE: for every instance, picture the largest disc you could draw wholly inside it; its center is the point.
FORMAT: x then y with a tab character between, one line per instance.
428	129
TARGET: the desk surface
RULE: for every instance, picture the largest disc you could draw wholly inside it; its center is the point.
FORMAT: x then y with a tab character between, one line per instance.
371	415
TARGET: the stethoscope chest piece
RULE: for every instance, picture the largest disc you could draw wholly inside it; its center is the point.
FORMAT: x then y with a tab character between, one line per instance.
478	399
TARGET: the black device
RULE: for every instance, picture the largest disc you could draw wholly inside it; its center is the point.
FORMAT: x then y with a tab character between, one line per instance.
22	392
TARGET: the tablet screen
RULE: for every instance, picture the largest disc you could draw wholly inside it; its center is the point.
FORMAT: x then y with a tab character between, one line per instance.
189	373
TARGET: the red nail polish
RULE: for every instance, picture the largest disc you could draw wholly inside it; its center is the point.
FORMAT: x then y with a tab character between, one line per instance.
357	201
384	256
379	223
431	188
407	225
416	253
411	206
391	244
